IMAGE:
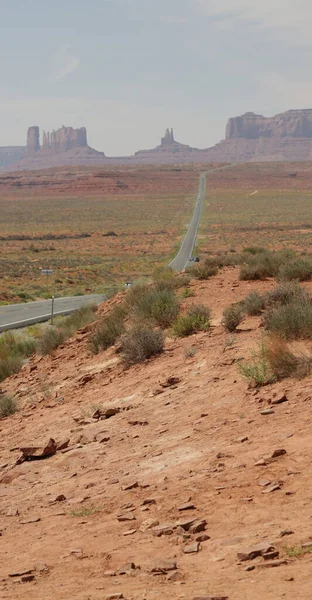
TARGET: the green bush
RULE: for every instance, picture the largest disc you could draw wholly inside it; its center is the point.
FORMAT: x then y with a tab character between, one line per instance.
8	406
257	370
10	365
299	269
14	348
286	293
78	319
261	263
51	338
255	250
110	328
197	319
254	304
290	321
141	343
187	293
203	272
157	306
232	317
284	363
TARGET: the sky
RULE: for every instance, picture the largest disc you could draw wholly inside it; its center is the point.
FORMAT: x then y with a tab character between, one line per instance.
128	69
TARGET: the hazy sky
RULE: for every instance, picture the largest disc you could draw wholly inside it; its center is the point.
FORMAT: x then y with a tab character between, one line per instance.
127	69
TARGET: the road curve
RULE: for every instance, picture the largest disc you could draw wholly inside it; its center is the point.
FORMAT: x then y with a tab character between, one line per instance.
181	260
14	316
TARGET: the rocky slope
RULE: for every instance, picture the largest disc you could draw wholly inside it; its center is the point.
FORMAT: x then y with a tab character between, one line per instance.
178	494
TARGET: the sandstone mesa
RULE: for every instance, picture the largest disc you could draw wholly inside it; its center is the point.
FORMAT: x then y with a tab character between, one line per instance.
248	138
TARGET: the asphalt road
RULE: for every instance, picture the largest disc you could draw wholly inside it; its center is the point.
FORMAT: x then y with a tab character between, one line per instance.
13	316
181	260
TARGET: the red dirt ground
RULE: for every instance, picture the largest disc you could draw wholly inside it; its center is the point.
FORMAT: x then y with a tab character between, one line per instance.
182	444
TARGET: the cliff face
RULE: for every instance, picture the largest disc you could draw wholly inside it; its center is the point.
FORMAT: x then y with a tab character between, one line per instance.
64	139
33	144
294	123
250	137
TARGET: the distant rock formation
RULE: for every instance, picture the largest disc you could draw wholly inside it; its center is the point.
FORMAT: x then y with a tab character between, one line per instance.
293	123
64	139
249	137
168	138
33	143
10	155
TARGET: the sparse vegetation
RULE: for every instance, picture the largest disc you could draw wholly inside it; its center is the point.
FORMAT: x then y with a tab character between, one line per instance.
232	317
291	320
109	329
187	293
156	306
86	511
299	269
141	343
8	406
204	271
257	370
284	362
197	319
298	551
14	348
51	338
254	304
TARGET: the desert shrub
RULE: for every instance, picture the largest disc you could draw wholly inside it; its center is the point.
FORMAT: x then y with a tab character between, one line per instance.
10	365
141	343
262	264
16	344
232	317
285	293
165	279
290	321
197	319
284	362
158	306
135	294
254	304
299	269
78	319
255	250
257	370
8	406
14	348
252	272
204	271
51	338
187	293
110	328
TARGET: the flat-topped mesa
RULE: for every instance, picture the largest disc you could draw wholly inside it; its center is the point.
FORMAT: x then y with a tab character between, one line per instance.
33	144
293	123
168	138
65	138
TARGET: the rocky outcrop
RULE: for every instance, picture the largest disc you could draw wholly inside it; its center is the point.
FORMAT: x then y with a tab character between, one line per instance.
168	138
249	137
65	138
294	124
33	143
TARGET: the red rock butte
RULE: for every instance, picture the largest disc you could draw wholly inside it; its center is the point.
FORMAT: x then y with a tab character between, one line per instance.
248	138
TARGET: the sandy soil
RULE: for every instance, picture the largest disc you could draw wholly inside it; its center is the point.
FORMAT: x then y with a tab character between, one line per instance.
166	447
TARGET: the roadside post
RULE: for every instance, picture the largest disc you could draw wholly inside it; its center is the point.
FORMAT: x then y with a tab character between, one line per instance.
47	273
52	310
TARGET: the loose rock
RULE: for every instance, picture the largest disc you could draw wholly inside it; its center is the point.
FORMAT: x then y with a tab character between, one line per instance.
193	548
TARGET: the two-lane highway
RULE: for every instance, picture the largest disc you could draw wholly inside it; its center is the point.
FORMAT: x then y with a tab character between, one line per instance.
181	260
13	316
